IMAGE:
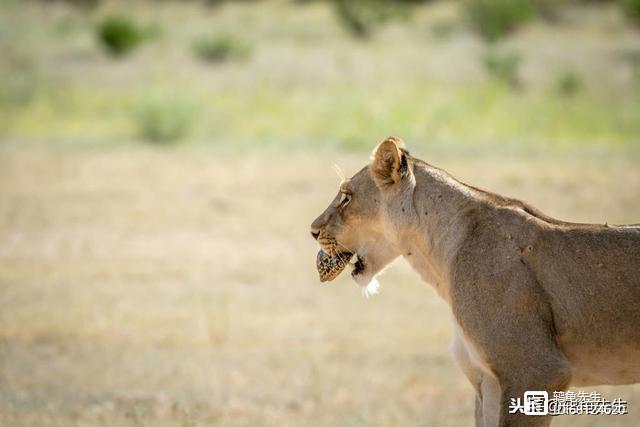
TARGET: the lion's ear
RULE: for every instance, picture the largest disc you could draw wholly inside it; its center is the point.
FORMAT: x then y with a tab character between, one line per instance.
389	164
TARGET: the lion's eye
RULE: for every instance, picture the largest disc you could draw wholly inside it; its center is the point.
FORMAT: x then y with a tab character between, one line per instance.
345	198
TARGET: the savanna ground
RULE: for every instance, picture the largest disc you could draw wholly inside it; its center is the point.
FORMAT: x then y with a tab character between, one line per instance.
146	284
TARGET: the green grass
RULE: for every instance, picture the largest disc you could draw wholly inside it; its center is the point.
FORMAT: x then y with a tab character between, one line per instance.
307	84
340	115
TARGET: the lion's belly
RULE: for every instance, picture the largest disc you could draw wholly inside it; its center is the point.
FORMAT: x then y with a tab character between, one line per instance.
603	345
592	279
601	365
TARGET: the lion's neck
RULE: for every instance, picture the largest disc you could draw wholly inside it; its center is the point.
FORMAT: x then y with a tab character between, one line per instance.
443	212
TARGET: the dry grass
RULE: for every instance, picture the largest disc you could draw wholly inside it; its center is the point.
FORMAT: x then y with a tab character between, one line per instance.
177	287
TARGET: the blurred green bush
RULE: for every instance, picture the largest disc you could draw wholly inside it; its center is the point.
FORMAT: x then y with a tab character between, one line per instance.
221	47
88	4
163	121
550	9
120	35
569	83
361	17
494	19
632	9
503	67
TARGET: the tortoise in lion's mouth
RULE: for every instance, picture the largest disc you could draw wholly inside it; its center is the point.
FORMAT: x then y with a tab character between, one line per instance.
329	267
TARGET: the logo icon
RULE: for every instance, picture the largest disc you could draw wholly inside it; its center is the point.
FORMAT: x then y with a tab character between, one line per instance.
536	403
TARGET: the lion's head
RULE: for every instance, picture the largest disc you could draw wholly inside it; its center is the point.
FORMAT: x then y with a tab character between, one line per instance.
361	223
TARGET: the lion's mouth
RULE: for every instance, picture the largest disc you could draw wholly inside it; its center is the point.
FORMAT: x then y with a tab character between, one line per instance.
329	267
358	267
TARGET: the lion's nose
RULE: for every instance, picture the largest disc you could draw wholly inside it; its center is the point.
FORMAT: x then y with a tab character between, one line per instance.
315	233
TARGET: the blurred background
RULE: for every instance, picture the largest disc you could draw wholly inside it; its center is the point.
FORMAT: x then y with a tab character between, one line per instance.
161	162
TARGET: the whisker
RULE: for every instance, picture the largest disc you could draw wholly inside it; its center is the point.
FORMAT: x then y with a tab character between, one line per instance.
339	172
344	247
339	254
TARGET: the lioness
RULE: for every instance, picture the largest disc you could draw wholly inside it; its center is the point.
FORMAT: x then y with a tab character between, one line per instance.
537	303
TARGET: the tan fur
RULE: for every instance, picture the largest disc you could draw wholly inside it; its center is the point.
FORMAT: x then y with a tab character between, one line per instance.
537	303
386	162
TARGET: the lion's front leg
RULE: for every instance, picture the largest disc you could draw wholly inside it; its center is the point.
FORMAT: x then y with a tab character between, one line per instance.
546	377
511	381
473	371
496	396
478	411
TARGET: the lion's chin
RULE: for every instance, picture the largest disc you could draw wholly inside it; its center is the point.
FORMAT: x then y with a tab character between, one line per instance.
365	277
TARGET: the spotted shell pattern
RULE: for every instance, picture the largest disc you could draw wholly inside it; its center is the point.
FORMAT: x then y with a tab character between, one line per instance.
329	267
